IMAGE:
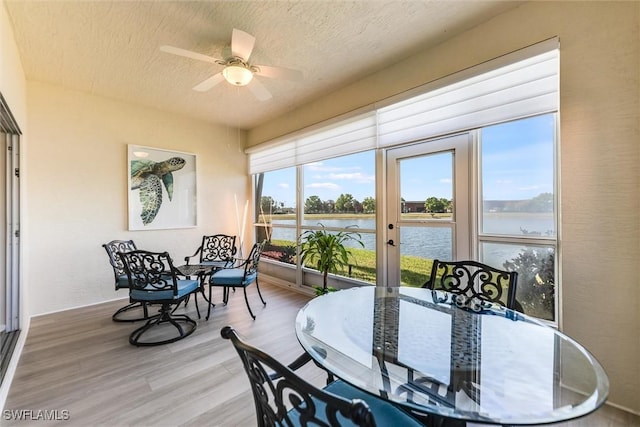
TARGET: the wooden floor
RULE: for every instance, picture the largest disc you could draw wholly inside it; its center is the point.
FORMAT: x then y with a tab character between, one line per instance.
80	364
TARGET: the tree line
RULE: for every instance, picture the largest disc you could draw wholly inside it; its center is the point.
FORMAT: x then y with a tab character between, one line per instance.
346	203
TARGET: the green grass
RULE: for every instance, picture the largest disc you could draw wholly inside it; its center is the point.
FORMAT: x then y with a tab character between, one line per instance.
415	270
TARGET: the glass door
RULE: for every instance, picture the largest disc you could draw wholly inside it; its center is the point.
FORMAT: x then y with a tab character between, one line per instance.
428	210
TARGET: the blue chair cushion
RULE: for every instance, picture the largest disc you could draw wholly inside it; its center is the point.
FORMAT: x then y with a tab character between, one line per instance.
231	277
122	282
185	287
384	412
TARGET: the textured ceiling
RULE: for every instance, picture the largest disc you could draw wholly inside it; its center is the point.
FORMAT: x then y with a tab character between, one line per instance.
111	48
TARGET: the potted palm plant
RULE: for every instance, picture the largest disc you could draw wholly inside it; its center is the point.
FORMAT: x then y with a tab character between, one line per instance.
326	252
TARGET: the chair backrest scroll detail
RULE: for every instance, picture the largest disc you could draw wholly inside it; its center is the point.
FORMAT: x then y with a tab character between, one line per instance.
150	271
251	265
113	248
218	247
308	404
474	280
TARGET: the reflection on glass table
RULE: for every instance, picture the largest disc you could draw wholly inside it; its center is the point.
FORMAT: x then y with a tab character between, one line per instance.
415	347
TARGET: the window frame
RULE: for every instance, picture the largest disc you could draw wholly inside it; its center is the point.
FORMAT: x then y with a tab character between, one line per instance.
481	107
541	241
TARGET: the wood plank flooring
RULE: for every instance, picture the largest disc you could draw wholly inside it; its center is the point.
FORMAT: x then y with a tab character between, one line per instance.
80	364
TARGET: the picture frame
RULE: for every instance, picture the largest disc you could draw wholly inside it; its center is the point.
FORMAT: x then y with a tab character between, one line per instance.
161	187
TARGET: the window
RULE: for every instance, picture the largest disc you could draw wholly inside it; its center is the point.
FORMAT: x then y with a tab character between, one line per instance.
339	194
276	213
517	221
506	216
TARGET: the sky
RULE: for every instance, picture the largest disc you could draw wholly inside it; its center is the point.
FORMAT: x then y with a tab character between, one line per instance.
517	163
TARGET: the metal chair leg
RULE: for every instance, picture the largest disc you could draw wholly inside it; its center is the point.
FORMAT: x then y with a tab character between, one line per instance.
132	306
259	293
210	304
195	297
183	323
247	301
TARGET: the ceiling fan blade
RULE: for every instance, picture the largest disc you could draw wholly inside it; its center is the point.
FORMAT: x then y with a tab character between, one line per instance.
279	72
259	90
242	44
209	83
189	54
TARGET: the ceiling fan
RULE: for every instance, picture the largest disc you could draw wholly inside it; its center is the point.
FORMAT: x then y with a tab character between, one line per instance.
237	70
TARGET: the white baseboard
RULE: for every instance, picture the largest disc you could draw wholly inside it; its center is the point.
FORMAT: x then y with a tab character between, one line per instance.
287	285
125	300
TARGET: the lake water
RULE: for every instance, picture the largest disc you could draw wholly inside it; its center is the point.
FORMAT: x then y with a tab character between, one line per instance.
435	242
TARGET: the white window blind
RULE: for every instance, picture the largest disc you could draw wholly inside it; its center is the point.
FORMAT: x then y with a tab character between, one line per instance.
516	85
519	89
344	137
277	156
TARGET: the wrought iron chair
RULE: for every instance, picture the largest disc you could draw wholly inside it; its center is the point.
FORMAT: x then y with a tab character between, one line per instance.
240	276
217	250
121	280
154	280
472	284
473	281
275	386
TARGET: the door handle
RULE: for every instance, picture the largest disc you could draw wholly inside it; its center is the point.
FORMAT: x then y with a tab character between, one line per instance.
390	242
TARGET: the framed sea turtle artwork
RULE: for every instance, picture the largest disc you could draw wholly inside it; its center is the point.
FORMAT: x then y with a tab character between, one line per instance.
161	188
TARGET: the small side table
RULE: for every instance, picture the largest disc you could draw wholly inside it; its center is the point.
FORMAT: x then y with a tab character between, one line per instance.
201	271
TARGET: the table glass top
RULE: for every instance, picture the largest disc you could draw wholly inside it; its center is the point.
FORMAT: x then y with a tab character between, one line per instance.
197	269
415	347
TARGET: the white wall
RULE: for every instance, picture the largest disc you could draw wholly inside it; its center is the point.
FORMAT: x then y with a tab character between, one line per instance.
12	79
600	153
77	189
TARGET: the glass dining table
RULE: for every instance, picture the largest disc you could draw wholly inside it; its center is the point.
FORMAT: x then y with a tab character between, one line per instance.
479	363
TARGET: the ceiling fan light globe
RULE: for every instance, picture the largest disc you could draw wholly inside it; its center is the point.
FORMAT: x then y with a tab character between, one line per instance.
237	75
